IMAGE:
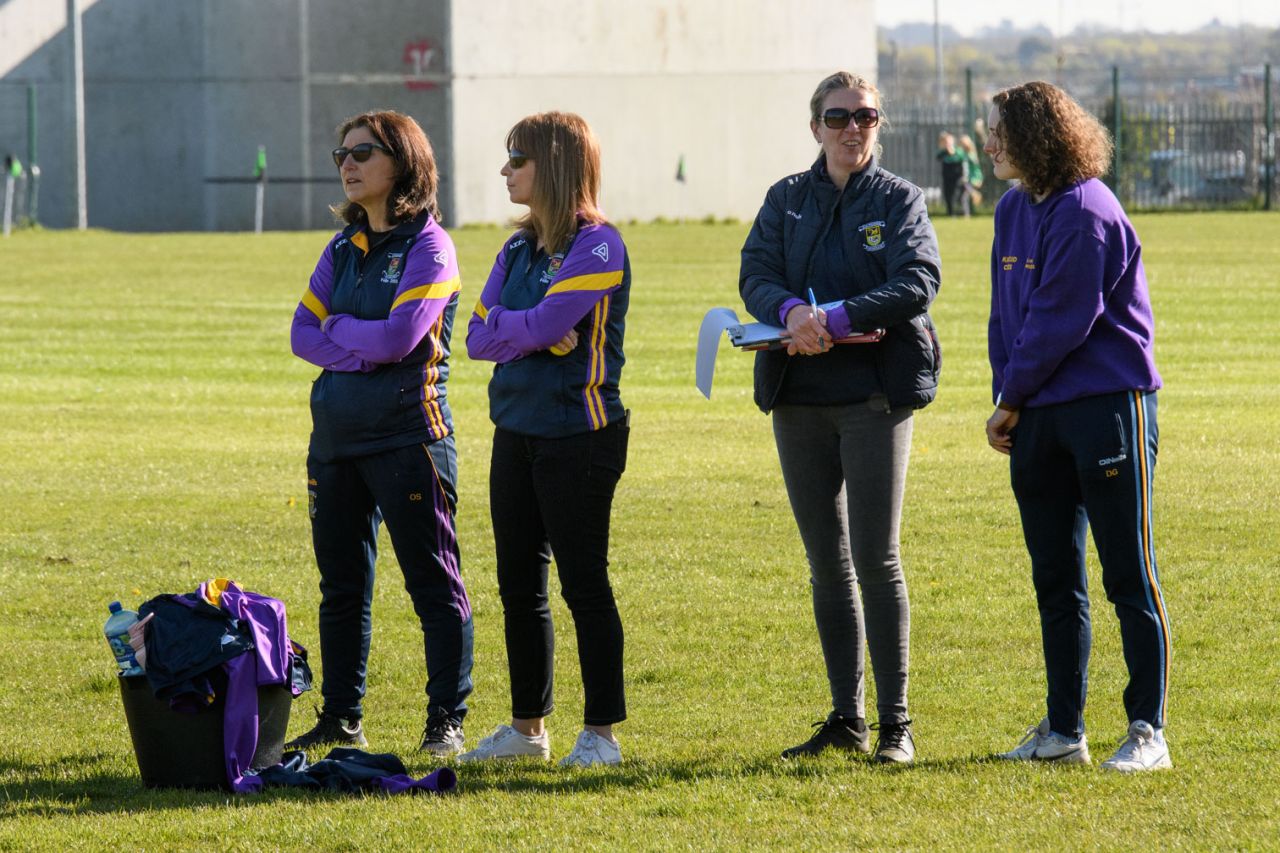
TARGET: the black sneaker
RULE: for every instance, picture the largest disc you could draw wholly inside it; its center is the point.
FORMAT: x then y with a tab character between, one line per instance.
895	744
443	733
330	728
835	732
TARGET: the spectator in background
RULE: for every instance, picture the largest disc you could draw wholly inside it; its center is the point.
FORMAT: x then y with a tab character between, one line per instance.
953	170
971	181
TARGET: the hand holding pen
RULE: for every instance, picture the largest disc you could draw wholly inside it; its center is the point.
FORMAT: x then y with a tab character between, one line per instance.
807	329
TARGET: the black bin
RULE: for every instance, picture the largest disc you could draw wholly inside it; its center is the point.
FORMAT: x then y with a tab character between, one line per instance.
177	750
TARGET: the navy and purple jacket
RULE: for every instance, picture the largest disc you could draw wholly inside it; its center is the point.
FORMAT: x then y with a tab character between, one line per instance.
529	304
377	317
1070	312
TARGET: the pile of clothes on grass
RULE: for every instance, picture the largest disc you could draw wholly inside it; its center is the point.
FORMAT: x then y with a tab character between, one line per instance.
218	646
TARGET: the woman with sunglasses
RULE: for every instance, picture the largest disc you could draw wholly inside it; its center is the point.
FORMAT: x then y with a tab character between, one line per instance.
551	317
857	239
1074	383
376	318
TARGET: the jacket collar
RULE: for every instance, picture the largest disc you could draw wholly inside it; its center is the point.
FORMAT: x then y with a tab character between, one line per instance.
822	179
410	226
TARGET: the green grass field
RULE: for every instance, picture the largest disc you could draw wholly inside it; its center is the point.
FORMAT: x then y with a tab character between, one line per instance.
153	430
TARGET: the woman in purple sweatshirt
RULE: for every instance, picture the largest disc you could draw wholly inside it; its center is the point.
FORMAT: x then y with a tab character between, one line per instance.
551	318
376	318
1074	383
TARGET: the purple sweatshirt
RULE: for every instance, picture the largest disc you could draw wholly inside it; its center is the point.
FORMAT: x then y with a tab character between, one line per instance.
1070	313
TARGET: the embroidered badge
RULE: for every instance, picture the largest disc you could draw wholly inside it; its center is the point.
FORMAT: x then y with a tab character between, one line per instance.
553	267
872	235
602	252
391	275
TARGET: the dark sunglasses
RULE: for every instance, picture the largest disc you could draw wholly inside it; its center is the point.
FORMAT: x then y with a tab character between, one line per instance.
517	159
838	119
361	152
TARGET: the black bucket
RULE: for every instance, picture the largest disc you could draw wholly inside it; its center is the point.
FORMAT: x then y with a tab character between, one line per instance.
177	750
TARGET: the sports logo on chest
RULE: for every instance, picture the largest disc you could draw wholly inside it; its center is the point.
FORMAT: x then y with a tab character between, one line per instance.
872	235
553	268
395	266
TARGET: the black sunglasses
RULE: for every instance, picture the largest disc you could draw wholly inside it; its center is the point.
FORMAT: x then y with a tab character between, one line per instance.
838	119
361	152
517	159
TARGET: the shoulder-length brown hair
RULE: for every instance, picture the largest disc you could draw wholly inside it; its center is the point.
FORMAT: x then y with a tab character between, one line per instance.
1050	138
416	178
566	180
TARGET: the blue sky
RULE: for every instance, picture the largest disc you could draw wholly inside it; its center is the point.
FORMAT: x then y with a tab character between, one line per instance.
1063	16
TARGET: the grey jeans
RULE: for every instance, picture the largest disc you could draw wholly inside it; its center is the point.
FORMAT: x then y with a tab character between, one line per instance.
845	468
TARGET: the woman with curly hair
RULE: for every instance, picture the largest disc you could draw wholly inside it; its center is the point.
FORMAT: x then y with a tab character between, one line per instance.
1074	382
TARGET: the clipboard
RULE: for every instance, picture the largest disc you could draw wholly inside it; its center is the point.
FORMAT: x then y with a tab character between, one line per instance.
750	337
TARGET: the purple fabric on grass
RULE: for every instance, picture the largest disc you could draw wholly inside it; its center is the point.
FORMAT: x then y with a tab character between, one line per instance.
441	781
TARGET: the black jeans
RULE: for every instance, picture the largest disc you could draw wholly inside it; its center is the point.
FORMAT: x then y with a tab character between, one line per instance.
554	496
412	489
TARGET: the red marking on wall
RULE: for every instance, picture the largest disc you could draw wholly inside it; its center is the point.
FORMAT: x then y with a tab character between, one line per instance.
419	57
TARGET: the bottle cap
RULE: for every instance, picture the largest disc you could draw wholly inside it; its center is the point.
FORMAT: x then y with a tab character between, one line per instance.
114	607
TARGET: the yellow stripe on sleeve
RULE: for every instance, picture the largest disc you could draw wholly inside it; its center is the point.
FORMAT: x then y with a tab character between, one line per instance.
596	365
595	281
314	305
481	311
436	290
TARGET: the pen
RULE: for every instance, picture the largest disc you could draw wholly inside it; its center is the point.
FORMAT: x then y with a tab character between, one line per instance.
813	312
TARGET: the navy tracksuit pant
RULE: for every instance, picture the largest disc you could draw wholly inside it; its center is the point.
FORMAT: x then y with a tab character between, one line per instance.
413	490
1084	464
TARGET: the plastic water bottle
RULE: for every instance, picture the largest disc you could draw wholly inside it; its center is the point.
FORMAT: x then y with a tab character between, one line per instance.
117	631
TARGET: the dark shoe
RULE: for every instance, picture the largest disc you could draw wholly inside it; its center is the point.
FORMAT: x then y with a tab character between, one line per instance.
835	732
443	734
330	728
895	744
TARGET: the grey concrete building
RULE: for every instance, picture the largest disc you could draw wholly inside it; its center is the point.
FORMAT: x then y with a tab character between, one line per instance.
178	92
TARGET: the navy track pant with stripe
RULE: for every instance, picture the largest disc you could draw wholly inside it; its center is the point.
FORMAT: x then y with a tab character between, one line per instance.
413	489
1088	464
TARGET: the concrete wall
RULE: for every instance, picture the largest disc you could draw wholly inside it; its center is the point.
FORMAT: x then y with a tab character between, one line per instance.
179	91
725	84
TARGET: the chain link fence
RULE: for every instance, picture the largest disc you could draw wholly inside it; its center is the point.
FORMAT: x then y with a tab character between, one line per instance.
1205	151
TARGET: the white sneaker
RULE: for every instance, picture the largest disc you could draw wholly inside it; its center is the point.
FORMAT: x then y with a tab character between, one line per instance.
1040	744
506	742
591	749
1143	749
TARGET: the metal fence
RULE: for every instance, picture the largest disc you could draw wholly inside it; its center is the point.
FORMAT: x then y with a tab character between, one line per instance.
1187	154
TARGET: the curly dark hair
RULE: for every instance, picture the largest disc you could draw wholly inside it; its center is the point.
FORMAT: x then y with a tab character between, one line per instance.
416	177
1051	139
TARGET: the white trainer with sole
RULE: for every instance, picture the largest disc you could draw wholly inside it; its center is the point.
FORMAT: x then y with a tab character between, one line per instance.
591	749
1143	749
1041	744
506	742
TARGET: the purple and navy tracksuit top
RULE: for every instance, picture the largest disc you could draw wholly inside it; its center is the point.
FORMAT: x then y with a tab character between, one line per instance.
530	302
377	316
1070	312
